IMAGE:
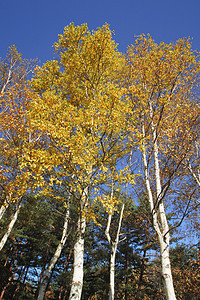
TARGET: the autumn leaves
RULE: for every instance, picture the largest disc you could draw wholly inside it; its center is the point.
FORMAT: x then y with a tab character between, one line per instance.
91	107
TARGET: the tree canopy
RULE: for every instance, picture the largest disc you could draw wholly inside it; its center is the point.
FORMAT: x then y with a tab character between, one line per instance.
99	170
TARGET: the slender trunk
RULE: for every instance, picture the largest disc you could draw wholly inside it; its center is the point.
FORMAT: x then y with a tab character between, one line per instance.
195	177
159	219
3	291
4	207
7	81
113	246
77	281
112	256
166	271
10	226
46	276
112	272
165	239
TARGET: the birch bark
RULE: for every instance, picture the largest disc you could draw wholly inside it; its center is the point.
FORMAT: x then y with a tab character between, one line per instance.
113	246
159	218
4	207
77	280
10	226
195	177
54	259
165	237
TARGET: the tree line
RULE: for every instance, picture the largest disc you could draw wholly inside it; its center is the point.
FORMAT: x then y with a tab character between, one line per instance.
99	170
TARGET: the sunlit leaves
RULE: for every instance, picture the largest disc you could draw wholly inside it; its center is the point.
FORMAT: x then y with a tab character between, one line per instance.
78	106
161	75
14	97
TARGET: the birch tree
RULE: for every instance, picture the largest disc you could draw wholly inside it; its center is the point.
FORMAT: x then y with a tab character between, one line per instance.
14	96
192	163
161	78
11	224
113	248
77	108
55	257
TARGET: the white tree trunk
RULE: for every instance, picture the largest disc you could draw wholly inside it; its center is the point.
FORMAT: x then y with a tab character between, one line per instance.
166	271
77	280
54	259
7	80
113	246
10	226
159	218
165	237
112	273
195	177
4	207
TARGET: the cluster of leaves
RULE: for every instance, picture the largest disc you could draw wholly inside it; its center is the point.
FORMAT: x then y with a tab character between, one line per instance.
83	122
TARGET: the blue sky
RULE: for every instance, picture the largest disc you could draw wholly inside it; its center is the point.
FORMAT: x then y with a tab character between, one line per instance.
33	25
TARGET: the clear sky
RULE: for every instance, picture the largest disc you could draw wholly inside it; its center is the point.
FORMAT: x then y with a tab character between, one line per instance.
33	25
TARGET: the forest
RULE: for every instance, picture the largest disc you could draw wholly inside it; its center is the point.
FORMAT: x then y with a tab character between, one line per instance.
99	170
